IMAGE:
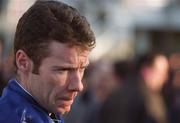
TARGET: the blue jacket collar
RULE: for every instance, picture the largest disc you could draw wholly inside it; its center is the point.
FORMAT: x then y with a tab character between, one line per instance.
15	86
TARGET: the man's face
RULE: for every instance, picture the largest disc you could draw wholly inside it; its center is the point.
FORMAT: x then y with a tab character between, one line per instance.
59	78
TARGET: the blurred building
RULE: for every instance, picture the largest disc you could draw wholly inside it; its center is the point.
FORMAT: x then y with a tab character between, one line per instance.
123	28
159	30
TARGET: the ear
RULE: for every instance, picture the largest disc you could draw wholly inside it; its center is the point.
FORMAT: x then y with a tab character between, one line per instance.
23	62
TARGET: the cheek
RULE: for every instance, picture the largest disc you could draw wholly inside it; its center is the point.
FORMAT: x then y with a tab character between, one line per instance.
47	83
56	84
53	84
51	89
60	79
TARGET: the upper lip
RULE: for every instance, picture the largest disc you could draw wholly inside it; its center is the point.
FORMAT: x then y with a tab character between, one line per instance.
68	97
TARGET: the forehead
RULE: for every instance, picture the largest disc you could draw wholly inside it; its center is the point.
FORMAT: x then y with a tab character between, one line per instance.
161	62
65	53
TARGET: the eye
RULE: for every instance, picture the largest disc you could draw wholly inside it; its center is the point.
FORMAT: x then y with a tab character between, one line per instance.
60	70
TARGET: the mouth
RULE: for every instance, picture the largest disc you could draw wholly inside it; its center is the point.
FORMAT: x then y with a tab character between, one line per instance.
64	102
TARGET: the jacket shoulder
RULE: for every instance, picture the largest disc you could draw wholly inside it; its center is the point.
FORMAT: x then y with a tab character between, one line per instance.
20	111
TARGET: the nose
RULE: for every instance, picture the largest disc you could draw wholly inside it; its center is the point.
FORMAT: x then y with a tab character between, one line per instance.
75	83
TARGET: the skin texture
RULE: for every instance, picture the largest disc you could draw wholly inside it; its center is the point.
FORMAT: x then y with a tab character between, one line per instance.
59	78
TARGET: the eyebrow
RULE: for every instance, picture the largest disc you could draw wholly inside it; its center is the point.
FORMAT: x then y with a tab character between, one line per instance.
69	67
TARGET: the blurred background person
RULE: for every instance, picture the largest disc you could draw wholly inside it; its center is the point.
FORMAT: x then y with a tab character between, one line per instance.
142	100
101	82
2	81
8	66
124	72
173	88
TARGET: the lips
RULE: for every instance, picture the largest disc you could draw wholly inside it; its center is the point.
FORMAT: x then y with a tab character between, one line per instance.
65	101
68	97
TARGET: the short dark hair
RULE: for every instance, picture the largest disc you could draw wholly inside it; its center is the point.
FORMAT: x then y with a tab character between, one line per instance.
147	59
48	21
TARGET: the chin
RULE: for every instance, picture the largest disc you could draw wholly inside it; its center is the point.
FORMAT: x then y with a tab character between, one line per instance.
63	110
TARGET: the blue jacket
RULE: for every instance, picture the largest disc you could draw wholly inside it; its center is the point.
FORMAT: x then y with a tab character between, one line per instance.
17	106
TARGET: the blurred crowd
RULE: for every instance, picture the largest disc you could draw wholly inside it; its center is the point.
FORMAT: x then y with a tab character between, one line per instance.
145	89
6	64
